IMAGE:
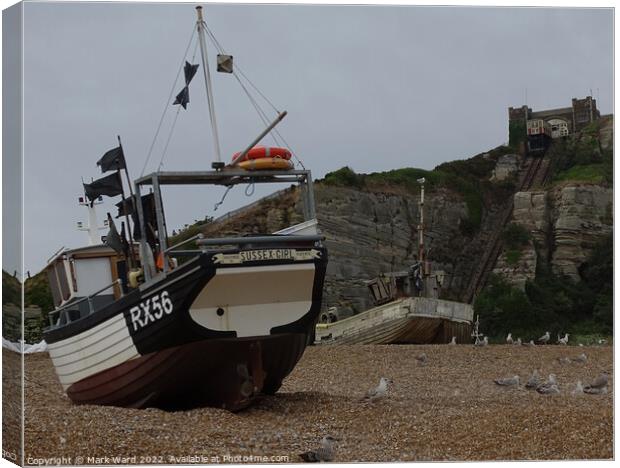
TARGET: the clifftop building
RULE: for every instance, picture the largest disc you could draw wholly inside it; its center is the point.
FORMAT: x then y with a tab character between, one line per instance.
563	121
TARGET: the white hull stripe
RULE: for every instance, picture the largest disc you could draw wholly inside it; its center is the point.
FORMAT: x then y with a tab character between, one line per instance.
85	335
105	333
99	347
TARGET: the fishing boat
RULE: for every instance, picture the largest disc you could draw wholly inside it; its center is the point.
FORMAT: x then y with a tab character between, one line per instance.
407	309
206	321
399	317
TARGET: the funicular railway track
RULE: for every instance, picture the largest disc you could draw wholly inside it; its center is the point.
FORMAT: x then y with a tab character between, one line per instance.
537	172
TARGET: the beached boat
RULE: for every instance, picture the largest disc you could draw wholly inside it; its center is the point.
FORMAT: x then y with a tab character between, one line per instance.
139	322
407	308
400	318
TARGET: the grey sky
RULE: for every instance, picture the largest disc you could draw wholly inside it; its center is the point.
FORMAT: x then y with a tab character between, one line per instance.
375	88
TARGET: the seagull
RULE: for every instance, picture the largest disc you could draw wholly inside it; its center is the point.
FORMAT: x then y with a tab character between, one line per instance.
531	343
483	342
324	453
564	360
453	342
581	358
543	339
578	389
550	387
533	381
509	339
421	358
379	391
600	382
595	391
602	341
563	341
508	381
518	342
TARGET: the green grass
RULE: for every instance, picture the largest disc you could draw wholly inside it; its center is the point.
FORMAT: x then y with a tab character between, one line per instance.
468	177
595	173
513	257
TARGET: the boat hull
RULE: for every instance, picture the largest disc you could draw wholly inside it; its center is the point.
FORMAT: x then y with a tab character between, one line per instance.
413	330
404	321
197	336
195	375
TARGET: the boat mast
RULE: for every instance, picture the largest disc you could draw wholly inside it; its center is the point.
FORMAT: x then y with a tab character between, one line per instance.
421	225
207	75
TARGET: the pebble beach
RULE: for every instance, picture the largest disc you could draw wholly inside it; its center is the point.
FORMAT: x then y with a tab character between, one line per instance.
447	409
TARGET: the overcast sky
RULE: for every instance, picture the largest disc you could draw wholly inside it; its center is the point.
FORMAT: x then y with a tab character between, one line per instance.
374	88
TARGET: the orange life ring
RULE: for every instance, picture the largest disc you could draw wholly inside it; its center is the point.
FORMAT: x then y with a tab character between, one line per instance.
260	152
269	164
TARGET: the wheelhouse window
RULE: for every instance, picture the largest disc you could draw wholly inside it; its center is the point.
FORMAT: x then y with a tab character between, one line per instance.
53	282
62	280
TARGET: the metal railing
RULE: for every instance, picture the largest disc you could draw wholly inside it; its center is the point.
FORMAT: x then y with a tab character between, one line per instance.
88	298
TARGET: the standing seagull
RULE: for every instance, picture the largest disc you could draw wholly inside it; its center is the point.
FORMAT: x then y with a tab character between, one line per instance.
563	341
483	342
578	389
545	338
324	453
379	391
509	339
453	342
518	342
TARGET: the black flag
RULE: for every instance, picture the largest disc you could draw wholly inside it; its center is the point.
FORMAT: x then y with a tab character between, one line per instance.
125	207
183	97
113	160
113	239
190	71
110	185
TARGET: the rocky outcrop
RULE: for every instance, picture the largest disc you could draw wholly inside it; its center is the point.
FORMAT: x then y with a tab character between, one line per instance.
582	214
506	166
565	223
519	266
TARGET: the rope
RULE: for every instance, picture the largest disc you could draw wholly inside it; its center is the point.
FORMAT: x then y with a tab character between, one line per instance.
217	205
163	155
161	120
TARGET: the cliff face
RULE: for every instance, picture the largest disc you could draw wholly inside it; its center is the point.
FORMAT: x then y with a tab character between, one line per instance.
581	215
565	224
368	233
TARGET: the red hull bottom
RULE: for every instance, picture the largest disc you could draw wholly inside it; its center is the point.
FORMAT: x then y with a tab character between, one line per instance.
223	373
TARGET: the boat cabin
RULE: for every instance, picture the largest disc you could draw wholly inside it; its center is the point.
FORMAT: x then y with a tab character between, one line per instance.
87	277
418	281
